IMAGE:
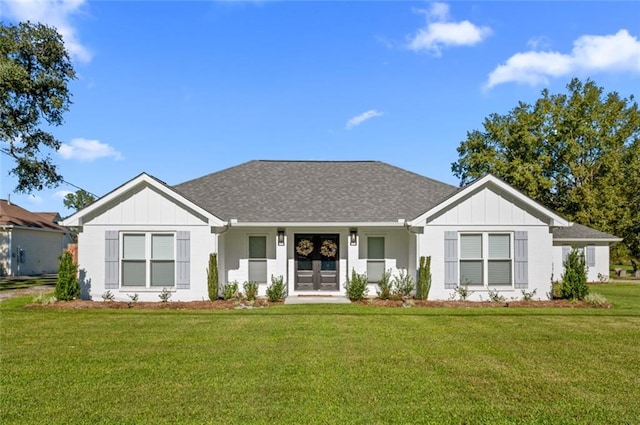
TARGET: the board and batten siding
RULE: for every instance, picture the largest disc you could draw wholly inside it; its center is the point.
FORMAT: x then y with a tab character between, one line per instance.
146	211
488	211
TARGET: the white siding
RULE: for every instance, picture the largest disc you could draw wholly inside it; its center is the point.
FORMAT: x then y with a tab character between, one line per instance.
41	251
146	206
486	207
601	265
489	211
144	211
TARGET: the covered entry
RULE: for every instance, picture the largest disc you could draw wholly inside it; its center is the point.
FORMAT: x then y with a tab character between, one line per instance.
317	262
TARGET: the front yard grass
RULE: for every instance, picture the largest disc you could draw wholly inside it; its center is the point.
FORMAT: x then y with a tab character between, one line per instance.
323	364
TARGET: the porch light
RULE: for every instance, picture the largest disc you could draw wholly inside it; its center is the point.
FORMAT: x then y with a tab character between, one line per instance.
353	236
280	237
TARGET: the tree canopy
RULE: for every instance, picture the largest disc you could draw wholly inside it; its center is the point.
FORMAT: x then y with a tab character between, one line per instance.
78	199
577	153
34	72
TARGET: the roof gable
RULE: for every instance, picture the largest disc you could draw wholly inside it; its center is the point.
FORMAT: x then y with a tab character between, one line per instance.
14	215
315	192
495	184
131	187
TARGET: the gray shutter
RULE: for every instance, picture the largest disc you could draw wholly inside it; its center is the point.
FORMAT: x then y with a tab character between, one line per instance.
591	255
521	257
450	260
183	259
111	260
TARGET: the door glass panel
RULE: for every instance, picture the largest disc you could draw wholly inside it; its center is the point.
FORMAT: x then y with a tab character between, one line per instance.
328	265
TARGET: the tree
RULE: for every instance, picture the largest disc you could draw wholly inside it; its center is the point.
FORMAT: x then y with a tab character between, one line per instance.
78	200
67	285
34	72
574	279
576	153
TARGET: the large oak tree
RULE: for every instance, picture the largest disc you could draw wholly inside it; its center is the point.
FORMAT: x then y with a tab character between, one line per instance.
577	153
35	70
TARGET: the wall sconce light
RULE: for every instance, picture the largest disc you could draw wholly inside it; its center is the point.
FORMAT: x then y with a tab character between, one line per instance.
280	237
353	237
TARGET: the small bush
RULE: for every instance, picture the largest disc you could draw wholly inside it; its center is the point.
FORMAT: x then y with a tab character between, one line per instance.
462	292
277	290
556	290
108	296
357	286
402	285
230	290
574	279
424	278
494	296
67	285
44	299
595	299
384	286
250	290
164	295
528	296
133	299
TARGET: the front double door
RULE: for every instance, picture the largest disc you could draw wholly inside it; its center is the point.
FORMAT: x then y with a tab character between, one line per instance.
317	262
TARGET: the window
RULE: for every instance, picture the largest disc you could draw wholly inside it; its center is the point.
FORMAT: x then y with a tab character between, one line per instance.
471	262
258	259
148	260
375	258
486	259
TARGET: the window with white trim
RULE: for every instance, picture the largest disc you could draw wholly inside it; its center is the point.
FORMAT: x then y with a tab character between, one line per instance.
148	260
486	259
375	258
258	259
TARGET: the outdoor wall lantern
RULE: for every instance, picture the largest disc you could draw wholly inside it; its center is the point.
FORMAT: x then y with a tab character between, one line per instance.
353	236
280	237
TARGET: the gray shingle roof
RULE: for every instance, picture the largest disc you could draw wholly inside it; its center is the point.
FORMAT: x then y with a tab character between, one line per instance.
579	232
315	191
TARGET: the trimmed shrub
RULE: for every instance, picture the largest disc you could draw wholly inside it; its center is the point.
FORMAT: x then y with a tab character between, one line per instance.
212	277
424	278
384	286
574	279
357	286
277	290
402	285
67	285
230	290
250	290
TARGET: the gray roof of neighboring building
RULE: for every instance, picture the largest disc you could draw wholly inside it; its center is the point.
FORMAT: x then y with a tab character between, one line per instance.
315	191
580	232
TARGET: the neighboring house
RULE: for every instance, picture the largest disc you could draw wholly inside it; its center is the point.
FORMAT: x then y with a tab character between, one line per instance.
593	244
30	243
313	222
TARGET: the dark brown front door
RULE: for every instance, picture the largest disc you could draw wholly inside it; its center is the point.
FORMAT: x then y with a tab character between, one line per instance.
317	258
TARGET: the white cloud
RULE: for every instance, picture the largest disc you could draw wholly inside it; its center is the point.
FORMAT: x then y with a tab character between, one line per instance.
440	32
35	199
591	53
61	194
56	13
87	150
359	119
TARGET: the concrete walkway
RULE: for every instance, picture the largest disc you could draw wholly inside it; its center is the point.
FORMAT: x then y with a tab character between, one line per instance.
314	299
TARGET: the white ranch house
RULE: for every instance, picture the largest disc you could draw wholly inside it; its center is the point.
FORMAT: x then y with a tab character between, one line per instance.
312	222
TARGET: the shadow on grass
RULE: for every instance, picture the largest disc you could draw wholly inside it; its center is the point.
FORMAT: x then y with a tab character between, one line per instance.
7	283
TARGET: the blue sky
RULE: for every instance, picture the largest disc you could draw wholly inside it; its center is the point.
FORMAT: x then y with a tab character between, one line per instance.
183	89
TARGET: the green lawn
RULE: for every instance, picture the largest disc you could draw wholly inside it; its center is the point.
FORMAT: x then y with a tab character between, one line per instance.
323	364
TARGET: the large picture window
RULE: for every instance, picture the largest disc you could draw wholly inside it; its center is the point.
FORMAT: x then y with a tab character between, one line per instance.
375	258
486	259
148	260
258	259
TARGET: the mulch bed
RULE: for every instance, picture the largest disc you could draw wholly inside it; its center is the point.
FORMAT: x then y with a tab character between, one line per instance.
231	304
